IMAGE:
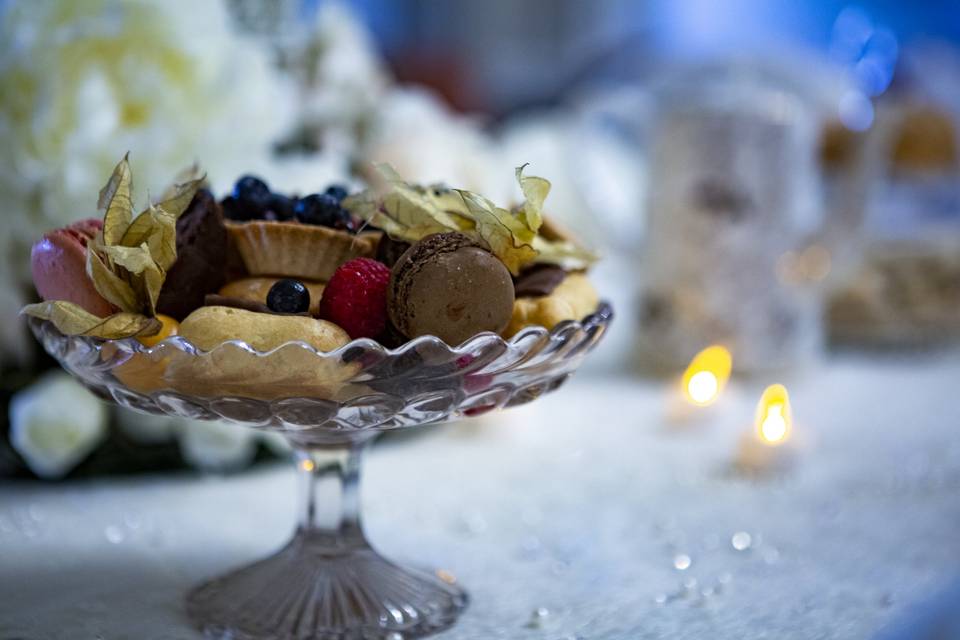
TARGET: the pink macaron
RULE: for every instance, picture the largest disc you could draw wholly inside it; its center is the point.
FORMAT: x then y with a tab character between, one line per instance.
59	265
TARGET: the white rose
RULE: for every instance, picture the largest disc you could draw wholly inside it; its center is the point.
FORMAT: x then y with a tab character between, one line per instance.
56	423
346	77
593	174
89	81
216	445
427	143
146	428
84	82
295	174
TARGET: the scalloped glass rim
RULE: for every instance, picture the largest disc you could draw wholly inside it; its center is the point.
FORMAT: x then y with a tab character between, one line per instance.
321	398
602	315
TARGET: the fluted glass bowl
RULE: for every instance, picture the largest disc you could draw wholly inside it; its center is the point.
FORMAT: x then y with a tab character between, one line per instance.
328	582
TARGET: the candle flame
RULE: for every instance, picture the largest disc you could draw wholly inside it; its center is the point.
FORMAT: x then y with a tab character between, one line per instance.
706	375
773	420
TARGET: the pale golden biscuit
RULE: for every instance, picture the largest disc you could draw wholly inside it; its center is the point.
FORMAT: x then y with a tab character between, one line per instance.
573	299
208	327
292	372
295	250
256	289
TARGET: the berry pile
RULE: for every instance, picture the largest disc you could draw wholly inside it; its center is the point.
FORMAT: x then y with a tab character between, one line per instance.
324	209
252	200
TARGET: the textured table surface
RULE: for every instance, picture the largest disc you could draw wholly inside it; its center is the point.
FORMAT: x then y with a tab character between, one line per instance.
585	515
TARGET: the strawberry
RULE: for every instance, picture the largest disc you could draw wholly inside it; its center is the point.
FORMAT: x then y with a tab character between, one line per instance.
356	298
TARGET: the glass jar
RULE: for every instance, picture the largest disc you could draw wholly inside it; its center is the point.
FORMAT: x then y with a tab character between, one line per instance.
733	203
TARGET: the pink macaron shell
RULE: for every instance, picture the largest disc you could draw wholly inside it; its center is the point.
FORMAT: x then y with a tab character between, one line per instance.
59	265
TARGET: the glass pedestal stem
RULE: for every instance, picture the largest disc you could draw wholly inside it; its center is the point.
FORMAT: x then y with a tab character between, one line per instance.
330	494
327	583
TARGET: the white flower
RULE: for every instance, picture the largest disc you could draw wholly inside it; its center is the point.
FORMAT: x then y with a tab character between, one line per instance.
345	77
296	173
84	81
427	143
146	428
595	177
55	423
208	445
217	445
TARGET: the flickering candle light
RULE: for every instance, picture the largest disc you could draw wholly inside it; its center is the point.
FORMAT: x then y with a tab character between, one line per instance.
773	419
767	446
701	385
707	375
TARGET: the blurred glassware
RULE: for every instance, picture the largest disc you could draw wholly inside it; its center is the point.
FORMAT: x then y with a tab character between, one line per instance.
866	52
915	146
906	290
932	67
905	294
609	159
846	171
733	206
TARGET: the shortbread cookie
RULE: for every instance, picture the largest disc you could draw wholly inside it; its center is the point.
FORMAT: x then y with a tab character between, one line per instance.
573	299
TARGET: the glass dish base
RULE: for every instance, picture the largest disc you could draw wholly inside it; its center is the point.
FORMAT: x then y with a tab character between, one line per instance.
328	583
325	589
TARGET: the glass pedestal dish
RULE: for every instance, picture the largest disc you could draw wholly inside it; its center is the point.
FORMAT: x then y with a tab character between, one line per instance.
328	582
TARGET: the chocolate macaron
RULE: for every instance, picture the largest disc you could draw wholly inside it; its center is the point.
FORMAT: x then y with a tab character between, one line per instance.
448	286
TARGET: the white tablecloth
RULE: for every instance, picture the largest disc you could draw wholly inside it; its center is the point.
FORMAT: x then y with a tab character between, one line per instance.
587	505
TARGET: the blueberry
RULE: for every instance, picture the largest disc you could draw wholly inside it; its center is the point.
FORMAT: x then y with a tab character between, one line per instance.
281	206
321	209
345	222
338	191
288	296
252	195
232	210
324	210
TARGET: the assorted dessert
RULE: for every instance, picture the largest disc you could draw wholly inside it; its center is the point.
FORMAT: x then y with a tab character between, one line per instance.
390	263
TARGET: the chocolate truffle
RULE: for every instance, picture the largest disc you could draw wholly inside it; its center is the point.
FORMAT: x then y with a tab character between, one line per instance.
390	250
201	256
448	286
538	280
